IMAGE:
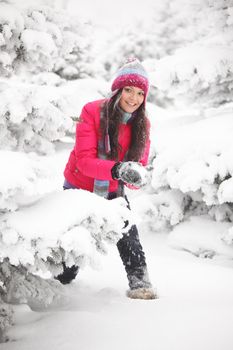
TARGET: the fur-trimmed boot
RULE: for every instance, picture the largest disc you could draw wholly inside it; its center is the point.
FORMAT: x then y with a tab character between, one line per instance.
140	285
142	293
133	258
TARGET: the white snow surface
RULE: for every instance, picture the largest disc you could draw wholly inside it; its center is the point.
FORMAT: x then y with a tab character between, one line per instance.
194	311
201	237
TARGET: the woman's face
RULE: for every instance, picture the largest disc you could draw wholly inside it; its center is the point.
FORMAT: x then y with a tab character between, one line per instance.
131	98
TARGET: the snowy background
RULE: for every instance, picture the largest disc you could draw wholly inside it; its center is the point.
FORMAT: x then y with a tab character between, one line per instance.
54	57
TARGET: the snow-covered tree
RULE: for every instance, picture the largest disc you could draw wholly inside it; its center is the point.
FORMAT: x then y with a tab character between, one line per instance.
187	47
30	244
6	319
79	227
39	38
198	76
199	72
41	47
191	172
32	117
35	114
137	40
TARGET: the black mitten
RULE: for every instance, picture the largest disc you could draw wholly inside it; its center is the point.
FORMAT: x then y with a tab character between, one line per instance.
132	173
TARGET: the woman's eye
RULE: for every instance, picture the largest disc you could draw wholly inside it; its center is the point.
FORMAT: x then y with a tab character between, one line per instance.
127	89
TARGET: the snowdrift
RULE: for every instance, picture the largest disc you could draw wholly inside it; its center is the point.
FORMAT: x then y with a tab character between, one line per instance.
202	237
70	226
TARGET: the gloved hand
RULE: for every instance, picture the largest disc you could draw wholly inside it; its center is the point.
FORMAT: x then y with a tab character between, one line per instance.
132	173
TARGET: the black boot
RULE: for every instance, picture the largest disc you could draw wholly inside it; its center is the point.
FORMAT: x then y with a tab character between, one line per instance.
68	274
133	258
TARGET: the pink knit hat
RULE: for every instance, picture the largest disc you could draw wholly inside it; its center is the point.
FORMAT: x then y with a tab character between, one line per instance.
132	73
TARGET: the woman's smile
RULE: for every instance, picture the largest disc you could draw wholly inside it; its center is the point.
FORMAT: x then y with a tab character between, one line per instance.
131	98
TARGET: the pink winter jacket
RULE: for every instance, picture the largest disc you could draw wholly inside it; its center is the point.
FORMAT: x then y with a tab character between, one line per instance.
84	166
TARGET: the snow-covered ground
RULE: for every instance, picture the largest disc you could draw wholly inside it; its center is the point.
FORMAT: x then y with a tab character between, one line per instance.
194	309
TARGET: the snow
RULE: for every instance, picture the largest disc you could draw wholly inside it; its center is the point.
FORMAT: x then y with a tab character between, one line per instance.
133	174
206	156
35	40
104	9
194	310
11	17
184	68
5	59
202	237
76	220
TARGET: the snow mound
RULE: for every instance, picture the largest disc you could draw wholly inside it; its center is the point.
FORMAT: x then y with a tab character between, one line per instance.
70	226
204	164
26	177
202	237
159	211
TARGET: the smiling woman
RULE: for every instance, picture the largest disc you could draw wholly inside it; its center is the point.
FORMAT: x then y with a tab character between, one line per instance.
110	152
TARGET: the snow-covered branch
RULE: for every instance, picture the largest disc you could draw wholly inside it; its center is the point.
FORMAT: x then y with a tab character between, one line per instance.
71	226
40	38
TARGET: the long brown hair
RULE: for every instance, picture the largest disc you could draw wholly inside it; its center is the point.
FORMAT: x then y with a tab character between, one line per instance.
110	123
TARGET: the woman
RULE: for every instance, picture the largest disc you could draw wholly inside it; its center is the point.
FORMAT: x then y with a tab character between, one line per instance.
112	146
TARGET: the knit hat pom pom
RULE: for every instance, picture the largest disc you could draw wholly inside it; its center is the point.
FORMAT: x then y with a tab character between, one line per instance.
131	60
132	73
